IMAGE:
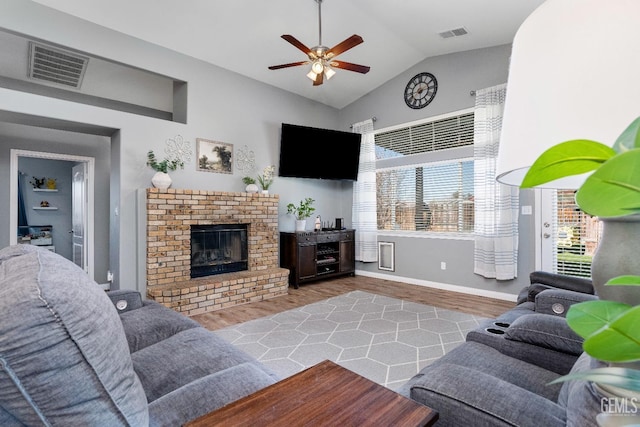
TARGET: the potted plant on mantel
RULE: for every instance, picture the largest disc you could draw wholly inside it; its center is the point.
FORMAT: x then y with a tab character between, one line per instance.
250	183
301	212
609	325
266	178
161	179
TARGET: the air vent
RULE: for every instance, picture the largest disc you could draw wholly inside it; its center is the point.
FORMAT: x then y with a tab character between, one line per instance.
456	32
56	66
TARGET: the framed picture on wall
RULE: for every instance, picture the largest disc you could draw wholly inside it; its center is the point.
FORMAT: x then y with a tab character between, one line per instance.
214	156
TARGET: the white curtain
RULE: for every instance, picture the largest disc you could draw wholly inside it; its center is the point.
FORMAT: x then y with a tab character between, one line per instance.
496	205
364	196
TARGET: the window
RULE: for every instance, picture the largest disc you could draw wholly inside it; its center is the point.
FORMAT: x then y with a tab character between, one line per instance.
425	176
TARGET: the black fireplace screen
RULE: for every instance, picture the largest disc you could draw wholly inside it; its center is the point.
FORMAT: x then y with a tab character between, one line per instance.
217	249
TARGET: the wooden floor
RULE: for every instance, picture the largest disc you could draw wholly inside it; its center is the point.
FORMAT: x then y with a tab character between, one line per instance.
313	292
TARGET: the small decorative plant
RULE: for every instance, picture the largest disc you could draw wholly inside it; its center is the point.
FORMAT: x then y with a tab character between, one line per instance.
609	328
38	182
266	179
165	165
303	210
248	180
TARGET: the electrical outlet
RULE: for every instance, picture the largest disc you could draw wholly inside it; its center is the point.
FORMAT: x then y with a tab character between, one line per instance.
443	265
109	276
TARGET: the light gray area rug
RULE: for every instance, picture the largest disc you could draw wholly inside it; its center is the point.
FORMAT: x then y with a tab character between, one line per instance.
384	339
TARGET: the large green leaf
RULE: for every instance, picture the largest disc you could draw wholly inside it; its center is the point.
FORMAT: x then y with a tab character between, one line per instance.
624	281
619	341
630	138
588	317
566	159
614	189
628	379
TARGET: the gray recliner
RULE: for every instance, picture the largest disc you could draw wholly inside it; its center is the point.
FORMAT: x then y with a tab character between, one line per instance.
70	355
535	331
500	376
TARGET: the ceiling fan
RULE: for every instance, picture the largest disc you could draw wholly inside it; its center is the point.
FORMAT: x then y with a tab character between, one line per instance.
321	57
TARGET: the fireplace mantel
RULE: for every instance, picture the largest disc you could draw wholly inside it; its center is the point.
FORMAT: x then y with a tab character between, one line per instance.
170	214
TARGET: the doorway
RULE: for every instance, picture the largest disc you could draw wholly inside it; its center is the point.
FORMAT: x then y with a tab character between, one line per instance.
567	237
81	195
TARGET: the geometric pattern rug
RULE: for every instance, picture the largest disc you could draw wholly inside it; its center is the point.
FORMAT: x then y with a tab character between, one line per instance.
386	340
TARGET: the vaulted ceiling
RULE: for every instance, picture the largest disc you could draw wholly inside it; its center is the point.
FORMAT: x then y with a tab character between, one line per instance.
244	35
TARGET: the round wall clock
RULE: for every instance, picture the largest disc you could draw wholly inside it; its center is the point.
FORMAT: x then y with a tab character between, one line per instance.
420	90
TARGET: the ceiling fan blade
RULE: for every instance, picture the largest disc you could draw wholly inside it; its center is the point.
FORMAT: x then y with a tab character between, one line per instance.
351	67
297	43
319	79
343	46
292	64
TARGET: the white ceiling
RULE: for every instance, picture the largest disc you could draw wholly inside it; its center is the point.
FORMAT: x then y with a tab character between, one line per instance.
244	35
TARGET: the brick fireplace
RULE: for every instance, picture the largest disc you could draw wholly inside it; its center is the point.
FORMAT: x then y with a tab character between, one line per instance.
170	216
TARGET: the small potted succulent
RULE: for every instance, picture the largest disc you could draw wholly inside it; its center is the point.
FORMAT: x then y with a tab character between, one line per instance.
301	212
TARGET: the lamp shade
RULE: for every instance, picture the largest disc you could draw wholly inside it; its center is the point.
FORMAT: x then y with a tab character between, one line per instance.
574	74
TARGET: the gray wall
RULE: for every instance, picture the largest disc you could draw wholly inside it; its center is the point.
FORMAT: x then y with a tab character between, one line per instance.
222	106
457	74
59	219
18	136
227	107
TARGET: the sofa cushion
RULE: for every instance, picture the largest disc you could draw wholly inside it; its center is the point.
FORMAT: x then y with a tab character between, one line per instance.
182	358
466	397
207	394
545	331
152	323
482	358
64	359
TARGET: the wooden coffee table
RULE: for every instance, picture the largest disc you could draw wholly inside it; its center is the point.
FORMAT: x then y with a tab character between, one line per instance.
324	395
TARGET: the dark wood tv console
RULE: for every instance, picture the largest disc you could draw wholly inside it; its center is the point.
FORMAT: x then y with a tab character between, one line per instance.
316	255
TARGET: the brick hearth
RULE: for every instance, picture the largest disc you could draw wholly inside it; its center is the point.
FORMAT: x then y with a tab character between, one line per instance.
170	214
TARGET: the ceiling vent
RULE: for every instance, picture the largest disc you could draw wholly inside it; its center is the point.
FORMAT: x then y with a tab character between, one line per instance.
56	66
456	32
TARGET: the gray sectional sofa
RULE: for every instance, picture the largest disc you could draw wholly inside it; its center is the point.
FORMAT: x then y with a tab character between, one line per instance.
69	357
500	376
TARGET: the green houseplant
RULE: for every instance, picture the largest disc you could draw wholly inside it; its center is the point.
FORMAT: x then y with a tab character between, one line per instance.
164	165
609	327
250	183
266	178
161	179
301	212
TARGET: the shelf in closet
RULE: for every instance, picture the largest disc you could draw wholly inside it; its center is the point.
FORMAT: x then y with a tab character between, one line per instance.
46	190
41	208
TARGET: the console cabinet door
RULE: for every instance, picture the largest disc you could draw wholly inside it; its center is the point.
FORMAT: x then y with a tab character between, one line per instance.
347	256
306	261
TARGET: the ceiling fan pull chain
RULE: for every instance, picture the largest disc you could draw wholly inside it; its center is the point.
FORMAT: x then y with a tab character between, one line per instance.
319	22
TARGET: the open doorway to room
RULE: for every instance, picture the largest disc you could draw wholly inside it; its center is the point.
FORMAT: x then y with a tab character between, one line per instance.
52	204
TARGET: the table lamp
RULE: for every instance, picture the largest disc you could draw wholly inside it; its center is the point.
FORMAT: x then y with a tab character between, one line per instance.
574	74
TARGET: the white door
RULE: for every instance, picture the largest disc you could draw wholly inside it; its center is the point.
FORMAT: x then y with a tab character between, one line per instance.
568	237
79	215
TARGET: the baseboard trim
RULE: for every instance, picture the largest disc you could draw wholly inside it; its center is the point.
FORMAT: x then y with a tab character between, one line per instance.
444	286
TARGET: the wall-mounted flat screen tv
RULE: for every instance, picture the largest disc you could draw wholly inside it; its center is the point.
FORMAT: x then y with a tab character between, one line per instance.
307	152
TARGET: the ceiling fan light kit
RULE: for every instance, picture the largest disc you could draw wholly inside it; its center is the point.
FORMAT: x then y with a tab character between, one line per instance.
321	57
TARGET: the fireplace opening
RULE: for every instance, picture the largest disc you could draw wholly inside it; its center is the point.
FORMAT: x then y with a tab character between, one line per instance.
218	249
